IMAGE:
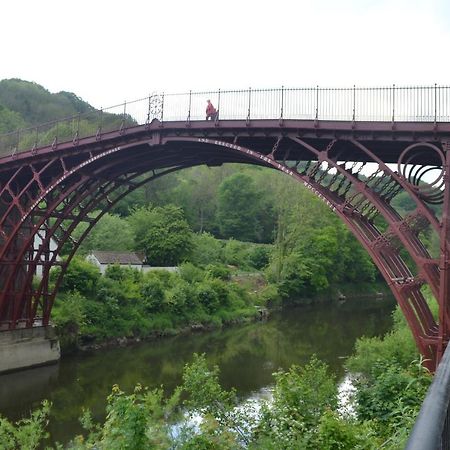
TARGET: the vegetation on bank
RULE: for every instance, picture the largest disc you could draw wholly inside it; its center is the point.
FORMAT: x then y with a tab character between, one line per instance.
126	303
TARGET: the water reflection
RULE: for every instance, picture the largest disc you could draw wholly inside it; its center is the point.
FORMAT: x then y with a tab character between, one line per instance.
247	356
20	390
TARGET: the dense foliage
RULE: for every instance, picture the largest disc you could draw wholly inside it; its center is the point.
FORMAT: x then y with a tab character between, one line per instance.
239	206
163	234
131	304
307	248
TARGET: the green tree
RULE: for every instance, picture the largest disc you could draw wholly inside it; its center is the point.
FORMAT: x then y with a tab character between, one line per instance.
153	293
134	422
222	427
163	234
391	396
36	104
196	193
300	398
237	206
132	200
81	276
313	248
110	233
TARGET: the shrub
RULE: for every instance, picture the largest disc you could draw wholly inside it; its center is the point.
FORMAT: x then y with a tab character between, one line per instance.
218	271
206	249
300	397
391	396
152	291
69	316
163	234
397	345
208	296
81	276
258	256
191	273
26	433
235	253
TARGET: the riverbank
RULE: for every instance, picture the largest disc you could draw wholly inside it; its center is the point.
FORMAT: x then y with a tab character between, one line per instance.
125	307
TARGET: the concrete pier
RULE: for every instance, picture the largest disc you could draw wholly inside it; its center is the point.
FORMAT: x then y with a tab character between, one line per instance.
28	347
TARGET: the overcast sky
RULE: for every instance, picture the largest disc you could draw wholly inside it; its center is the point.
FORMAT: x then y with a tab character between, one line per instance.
108	51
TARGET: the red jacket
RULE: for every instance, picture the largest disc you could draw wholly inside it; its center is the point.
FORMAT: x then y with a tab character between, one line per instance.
210	109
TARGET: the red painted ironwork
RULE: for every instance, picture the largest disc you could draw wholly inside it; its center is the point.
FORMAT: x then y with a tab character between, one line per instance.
48	190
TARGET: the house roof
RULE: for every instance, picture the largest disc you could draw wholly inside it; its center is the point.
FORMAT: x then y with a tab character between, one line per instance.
106	257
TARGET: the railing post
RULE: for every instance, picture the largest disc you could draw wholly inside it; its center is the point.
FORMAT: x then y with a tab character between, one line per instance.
282	104
162	109
393	104
55	141
36	140
317	103
218	107
77	133
249	104
435	105
188	120
16	148
354	103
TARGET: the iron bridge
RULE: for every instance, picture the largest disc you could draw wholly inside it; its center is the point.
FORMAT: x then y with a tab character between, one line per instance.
355	148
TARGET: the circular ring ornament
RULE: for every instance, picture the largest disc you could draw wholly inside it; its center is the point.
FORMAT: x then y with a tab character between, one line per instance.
427	180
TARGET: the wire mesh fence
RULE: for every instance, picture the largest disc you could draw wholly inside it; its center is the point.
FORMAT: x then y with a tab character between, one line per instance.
387	104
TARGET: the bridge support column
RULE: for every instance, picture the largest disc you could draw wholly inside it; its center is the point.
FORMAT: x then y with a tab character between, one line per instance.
22	348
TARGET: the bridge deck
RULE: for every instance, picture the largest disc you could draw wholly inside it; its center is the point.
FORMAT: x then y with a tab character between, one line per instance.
386	139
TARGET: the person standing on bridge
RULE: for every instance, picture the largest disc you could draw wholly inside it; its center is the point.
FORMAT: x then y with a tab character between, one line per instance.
211	112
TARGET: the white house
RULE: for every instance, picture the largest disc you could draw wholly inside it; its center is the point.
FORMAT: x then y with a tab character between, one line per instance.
102	259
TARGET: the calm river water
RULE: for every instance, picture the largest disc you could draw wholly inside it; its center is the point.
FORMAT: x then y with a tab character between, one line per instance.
247	356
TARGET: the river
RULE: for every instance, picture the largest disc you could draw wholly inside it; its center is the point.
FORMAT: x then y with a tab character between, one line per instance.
247	356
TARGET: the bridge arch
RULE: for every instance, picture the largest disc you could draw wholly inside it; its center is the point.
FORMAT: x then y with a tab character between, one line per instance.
54	189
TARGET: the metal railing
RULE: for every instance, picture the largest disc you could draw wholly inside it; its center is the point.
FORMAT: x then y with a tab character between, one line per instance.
432	428
387	104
